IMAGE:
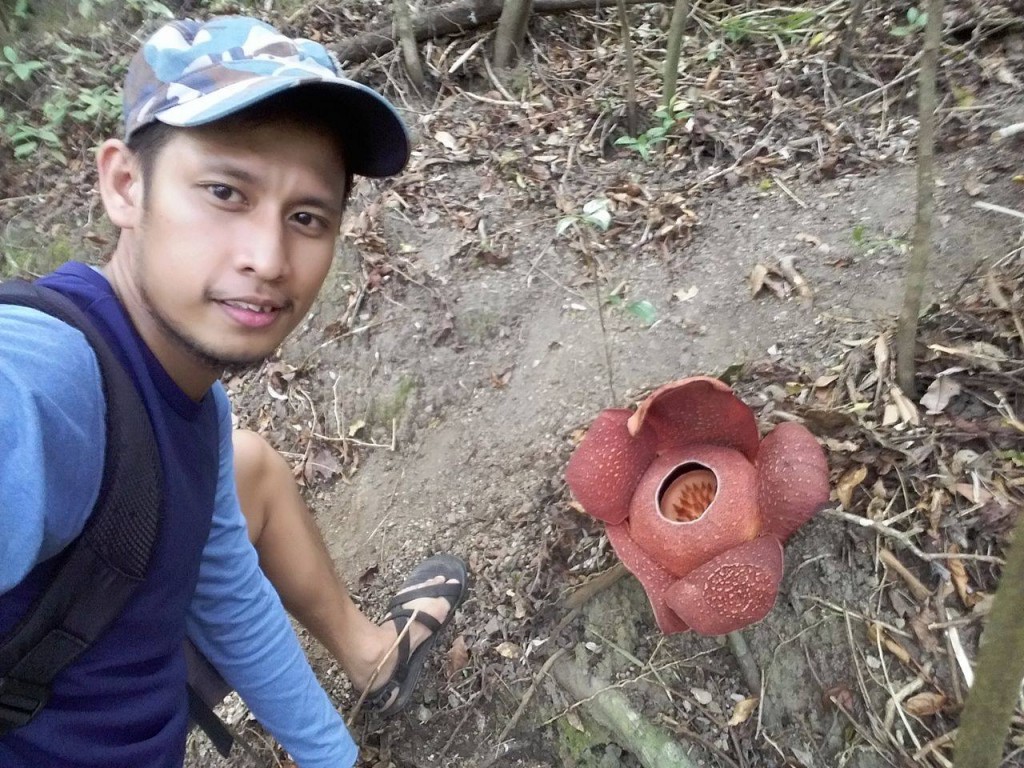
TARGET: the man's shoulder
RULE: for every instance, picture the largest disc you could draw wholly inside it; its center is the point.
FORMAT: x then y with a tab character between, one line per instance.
44	352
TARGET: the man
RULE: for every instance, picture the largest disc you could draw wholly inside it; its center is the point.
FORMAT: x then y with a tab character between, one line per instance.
228	190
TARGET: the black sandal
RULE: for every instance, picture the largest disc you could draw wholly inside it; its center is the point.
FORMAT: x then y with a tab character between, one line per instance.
410	665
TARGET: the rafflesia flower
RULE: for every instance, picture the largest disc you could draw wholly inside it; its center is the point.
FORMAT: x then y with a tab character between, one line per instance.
696	504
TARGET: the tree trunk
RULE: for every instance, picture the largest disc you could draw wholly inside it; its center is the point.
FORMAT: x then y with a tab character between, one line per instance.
508	40
906	329
410	53
849	41
986	717
627	49
452	19
680	13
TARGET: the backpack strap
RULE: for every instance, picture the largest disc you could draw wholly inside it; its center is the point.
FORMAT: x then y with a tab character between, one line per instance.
102	566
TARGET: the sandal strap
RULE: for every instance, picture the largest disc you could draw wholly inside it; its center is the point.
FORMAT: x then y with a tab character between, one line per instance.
401	617
403	644
449	592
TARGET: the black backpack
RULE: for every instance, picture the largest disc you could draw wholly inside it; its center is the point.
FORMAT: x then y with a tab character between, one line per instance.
101	568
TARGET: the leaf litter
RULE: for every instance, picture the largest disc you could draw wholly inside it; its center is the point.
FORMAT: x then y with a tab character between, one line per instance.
930	485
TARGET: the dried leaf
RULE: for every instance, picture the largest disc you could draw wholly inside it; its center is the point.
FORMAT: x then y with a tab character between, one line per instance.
850	480
457	656
743	710
508	650
882	355
355	426
924	704
906	407
574	720
323	465
703	697
974	494
940	392
447	140
995	292
756	279
685	294
961	581
890	416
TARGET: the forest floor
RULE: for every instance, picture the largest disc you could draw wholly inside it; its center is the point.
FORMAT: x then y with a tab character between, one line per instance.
480	314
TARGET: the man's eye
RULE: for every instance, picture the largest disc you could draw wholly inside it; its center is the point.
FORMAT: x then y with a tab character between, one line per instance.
309	220
221	191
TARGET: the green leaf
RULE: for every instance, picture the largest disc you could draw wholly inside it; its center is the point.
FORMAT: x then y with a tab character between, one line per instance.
625	141
596	212
644	310
563	224
11	54
22	150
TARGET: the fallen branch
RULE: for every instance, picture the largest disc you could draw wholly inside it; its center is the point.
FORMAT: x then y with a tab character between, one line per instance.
652	745
452	19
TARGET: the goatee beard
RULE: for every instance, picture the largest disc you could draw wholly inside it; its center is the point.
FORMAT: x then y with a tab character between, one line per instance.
203	355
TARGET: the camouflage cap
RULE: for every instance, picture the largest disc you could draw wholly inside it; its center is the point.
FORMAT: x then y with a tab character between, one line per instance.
190	73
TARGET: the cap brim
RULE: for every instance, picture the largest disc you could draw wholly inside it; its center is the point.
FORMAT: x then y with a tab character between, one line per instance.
374	136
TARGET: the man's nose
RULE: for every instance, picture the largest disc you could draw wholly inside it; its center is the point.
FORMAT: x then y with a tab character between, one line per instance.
262	249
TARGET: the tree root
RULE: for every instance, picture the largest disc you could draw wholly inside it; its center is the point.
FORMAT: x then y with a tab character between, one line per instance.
652	745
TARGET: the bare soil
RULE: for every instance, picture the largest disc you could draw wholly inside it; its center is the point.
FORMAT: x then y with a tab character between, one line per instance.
474	381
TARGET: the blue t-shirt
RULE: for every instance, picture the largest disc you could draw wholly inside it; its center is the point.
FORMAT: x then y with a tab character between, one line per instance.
122	703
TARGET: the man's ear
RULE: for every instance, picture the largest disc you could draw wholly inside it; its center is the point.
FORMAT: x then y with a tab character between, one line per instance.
120	183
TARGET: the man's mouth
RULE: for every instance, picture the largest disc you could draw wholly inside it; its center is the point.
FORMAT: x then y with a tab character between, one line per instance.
251	314
251	307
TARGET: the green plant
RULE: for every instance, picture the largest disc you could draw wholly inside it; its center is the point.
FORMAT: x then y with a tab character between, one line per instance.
767	22
146	8
667	118
916	21
14	69
595	214
865	241
99	104
639	308
25	139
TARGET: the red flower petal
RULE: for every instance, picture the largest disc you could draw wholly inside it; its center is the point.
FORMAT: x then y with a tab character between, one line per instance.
698	410
731	519
654	580
732	591
792	479
608	464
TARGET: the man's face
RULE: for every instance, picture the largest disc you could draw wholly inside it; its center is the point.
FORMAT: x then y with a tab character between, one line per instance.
237	236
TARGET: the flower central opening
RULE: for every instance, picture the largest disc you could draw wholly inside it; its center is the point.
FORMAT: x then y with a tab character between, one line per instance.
687	493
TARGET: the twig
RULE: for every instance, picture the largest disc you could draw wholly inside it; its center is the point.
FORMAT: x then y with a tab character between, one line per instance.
904	539
529	694
496	82
604	330
1007	132
788	191
998	209
917	589
795	278
380	666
